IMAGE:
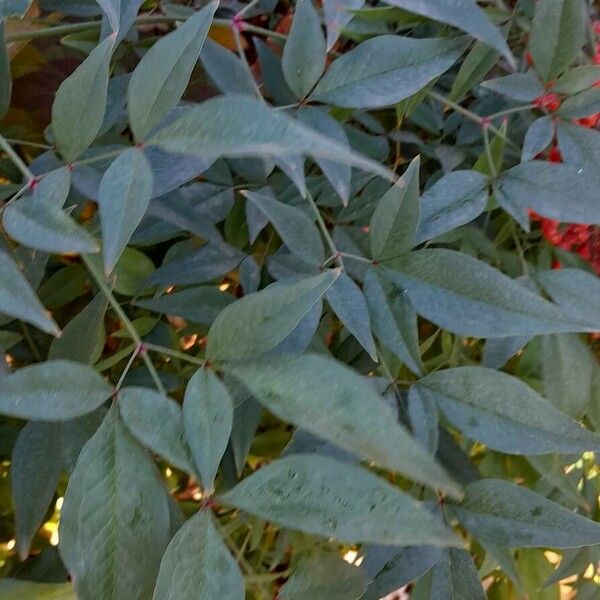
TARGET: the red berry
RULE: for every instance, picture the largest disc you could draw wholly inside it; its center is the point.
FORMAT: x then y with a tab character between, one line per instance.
528	59
550	101
554	155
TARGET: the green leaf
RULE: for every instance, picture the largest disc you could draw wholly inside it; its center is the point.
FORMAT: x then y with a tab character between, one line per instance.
478	62
83	337
207	421
5	75
580	105
304	52
297	231
258	322
580	148
159	80
324	576
322	496
333	402
337	14
338	175
393	318
115	508
463	14
35	469
504	413
156	422
543	186
568	371
577	79
18	300
510	515
15	589
523	87
468	297
198	304
557	35
454	577
237	126
54	390
197	565
538	137
396	216
575	291
226	70
455	199
54	187
347	301
123	197
42	225
80	102
403	566
121	15
402	67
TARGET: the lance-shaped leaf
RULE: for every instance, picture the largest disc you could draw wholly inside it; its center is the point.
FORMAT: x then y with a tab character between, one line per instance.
504	413
159	80
463	14
557	35
468	297
505	514
323	496
347	301
17	298
17	589
338	13
83	337
546	187
207	421
385	70
304	52
156	422
393	318
42	225
80	102
538	137
35	469
121	15
324	576
197	565
454	577
115	508
452	201
297	231
258	322
396	216
54	187
54	390
333	402
236	126
123	197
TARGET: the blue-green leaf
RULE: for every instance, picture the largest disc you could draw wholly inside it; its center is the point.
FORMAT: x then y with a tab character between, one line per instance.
333	402
123	197
339	500
207	420
258	322
510	515
504	413
304	52
80	102
197	565
159	80
402	66
54	390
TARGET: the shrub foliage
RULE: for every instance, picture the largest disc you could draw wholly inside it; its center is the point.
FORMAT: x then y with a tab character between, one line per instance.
299	300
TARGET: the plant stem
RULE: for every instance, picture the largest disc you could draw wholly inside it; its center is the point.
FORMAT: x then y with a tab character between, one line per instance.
242	55
510	111
246	8
26	143
324	230
175	354
488	153
481	121
133	356
128	324
356	257
16	159
262	31
31	342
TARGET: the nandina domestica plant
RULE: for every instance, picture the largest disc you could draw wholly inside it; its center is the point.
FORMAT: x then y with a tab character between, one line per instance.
299	300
